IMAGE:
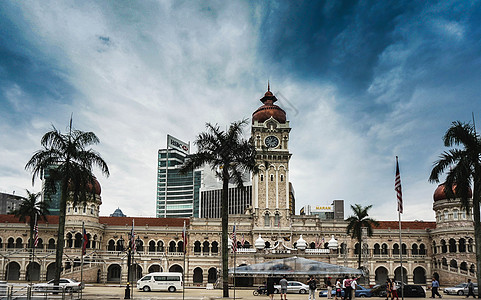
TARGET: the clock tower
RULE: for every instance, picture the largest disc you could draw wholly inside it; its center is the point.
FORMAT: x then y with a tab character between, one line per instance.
270	186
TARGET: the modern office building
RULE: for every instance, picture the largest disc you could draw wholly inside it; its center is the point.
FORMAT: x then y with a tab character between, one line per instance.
239	199
177	194
334	211
51	195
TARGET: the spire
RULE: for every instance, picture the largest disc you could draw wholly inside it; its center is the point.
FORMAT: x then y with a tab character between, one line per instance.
268	86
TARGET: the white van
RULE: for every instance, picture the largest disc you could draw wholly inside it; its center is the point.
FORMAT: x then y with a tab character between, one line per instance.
160	281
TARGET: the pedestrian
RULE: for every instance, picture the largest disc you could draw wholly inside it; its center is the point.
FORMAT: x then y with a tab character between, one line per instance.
353	287
434	288
283	284
394	289
388	289
346	283
338	289
312	283
470	289
270	288
329	288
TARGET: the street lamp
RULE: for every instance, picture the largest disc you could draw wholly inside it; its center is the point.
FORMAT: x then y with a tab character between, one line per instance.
137	242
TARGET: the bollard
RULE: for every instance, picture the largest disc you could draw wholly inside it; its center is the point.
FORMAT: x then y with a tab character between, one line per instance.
29	292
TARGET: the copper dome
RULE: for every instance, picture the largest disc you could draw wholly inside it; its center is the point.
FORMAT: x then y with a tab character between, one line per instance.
269	109
440	194
96	189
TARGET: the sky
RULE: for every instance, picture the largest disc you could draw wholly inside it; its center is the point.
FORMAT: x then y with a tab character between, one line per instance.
361	81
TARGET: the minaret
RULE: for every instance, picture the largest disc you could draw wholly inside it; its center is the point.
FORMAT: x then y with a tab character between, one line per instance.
270	187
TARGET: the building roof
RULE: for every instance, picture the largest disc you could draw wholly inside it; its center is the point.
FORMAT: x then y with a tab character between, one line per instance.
406	225
143	221
13	219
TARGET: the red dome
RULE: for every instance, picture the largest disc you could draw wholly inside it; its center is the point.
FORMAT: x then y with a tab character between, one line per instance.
269	109
439	193
96	189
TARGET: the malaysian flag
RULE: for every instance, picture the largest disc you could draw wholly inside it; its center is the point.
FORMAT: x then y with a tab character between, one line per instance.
184	237
397	188
35	234
132	238
85	240
234	241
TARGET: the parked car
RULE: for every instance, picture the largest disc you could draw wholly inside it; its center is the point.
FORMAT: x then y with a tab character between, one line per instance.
360	292
70	285
293	287
460	289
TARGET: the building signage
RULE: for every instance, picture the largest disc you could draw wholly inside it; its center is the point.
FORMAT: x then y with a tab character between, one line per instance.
323	208
172	142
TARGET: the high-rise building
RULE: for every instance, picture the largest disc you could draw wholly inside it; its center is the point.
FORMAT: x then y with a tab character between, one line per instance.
51	195
239	200
177	194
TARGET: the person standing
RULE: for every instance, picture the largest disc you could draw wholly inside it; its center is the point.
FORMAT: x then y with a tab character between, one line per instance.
394	289
329	288
338	289
470	289
353	287
283	284
347	287
434	288
388	289
312	283
270	288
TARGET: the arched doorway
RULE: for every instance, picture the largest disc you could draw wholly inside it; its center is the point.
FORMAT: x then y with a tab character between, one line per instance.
381	275
113	273
176	268
212	275
154	268
12	271
33	271
419	275
135	272
51	271
198	275
397	274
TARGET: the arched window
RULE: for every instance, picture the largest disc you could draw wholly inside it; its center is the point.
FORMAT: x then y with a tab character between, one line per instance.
395	249
267	221
205	247
118	245
11	243
197	247
414	249
453	264
51	244
69	240
435	249
215	247
463	266
78	240
272	177
377	249
470	245
462	245
422	249
343	248
452	246
262	177
40	243
151	246
455	214
172	246
111	245
268	245
404	249
160	246
446	215
276	220
180	246
472	268
444	247
444	261
384	249
19	243
139	245
357	248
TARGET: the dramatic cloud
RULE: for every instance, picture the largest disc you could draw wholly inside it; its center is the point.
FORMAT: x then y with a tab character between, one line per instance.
361	83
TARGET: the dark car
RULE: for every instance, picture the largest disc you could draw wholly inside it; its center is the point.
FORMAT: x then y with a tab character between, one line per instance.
409	290
360	292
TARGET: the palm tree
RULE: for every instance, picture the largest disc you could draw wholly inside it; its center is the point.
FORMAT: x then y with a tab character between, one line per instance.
358	222
464	169
68	161
230	156
32	209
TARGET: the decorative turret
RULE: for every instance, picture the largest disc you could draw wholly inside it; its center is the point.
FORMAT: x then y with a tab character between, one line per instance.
301	244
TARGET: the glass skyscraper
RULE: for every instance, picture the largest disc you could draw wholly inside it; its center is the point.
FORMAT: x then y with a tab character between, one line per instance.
177	195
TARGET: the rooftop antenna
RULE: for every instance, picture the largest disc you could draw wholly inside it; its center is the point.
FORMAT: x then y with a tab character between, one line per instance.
268	86
474	122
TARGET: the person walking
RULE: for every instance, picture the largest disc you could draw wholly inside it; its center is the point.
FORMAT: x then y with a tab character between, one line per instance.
283	284
329	288
312	283
394	289
434	288
338	289
470	289
270	288
388	289
347	287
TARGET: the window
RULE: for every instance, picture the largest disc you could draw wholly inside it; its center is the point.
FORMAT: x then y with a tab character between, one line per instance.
455	214
262	177
282	177
276	219
446	215
463	215
146	278
267	220
272	177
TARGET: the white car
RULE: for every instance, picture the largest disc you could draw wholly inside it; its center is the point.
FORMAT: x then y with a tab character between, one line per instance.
460	289
69	285
293	287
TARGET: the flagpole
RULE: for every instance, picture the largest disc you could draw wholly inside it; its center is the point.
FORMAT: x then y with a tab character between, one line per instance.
398	189
184	239
235	250
82	260
32	259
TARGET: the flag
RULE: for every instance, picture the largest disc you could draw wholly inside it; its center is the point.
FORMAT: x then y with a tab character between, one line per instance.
317	242
85	240
35	234
234	241
397	188
242	241
132	238
184	237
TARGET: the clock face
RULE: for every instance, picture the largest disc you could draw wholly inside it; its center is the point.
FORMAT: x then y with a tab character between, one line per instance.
271	141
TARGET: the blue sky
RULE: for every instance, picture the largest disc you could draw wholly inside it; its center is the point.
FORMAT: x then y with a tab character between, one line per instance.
361	81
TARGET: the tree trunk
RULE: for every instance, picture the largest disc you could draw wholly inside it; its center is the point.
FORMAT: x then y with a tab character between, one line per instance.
477	225
61	232
225	228
30	246
359	239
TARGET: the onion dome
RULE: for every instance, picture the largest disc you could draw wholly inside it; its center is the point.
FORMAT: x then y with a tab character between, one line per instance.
301	244
440	194
260	243
95	188
333	244
269	109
